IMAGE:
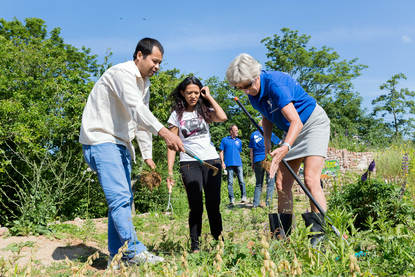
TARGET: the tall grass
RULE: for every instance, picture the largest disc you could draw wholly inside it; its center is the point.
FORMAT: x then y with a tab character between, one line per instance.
247	248
386	248
351	143
396	164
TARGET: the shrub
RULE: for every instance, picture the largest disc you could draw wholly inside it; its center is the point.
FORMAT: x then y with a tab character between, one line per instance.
50	179
370	201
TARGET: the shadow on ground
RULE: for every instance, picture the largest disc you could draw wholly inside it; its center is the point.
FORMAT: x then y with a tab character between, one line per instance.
80	252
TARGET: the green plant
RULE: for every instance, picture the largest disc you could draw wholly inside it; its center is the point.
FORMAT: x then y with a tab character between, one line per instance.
389	163
17	247
42	190
371	200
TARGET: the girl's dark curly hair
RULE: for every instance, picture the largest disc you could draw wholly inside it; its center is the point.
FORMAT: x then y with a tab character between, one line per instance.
180	104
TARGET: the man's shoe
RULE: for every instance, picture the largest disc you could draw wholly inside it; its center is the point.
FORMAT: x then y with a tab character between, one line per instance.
145	257
243	200
114	265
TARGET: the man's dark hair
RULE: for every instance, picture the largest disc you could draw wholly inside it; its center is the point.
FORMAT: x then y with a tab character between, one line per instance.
230	127
145	46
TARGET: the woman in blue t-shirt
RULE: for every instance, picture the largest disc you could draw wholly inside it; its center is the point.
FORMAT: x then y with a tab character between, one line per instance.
193	109
284	103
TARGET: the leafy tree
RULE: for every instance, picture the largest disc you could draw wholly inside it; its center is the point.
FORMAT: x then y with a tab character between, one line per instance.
400	104
322	74
44	84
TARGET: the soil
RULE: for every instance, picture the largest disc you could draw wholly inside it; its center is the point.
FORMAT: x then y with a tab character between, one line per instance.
46	250
151	179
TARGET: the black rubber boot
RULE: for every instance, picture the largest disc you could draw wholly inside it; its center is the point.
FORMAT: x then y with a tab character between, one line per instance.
275	225
316	220
194	247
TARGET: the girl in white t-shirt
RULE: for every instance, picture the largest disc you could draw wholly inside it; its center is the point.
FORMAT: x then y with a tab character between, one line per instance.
193	109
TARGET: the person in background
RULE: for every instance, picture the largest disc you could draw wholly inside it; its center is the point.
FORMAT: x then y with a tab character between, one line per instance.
284	103
117	111
193	109
230	155
257	155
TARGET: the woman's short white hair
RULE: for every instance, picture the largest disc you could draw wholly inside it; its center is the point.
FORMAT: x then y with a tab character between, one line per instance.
243	68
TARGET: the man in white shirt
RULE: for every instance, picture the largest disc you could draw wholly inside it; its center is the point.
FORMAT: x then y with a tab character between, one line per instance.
116	112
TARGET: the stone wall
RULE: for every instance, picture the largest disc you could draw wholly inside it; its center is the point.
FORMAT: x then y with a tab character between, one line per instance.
338	162
350	161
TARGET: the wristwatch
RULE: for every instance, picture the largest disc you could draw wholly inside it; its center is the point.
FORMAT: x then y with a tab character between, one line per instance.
287	144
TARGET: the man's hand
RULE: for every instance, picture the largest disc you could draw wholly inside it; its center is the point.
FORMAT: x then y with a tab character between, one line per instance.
173	141
150	163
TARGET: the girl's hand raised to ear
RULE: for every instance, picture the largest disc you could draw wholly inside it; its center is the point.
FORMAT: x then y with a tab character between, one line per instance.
205	92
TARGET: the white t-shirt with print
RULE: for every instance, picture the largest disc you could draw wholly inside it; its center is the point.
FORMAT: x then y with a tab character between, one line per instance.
195	135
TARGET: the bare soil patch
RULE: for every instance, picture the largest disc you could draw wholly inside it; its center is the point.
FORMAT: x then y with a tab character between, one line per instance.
46	250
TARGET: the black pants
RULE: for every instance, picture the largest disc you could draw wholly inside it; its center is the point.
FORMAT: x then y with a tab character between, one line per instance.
195	177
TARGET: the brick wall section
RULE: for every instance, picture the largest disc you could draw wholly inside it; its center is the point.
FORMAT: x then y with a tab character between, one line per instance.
350	161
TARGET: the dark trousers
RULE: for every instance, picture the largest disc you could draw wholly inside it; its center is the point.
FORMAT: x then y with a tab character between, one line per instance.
195	177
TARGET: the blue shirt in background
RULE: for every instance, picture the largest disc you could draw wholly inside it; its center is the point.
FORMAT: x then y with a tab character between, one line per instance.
231	147
256	142
278	89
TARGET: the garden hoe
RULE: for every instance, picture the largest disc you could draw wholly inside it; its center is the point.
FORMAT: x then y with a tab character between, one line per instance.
307	192
191	154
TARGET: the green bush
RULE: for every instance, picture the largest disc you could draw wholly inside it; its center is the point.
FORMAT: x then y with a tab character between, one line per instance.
38	197
372	200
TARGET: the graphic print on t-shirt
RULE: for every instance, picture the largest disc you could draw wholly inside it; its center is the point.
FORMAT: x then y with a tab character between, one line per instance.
193	127
257	138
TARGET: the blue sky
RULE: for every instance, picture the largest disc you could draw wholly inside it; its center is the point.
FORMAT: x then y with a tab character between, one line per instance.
202	37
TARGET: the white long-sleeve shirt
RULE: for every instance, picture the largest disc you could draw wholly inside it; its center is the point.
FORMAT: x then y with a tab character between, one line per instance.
117	110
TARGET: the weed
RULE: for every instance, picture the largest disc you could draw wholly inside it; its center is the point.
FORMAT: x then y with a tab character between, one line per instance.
17	247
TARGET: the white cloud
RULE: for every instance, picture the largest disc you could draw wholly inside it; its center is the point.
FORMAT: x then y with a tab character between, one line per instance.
406	39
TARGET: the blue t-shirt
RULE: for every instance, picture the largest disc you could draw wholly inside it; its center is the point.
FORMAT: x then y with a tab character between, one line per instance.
278	89
231	147
256	142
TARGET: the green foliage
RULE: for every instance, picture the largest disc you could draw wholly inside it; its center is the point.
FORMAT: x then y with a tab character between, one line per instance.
247	249
370	201
44	85
162	84
44	189
394	252
400	104
89	202
389	162
17	247
150	200
341	141
325	77
319	71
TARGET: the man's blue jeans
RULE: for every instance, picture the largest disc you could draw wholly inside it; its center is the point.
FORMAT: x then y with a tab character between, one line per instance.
239	173
112	162
259	176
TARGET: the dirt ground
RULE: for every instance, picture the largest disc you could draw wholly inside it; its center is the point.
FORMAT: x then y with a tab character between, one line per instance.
46	250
